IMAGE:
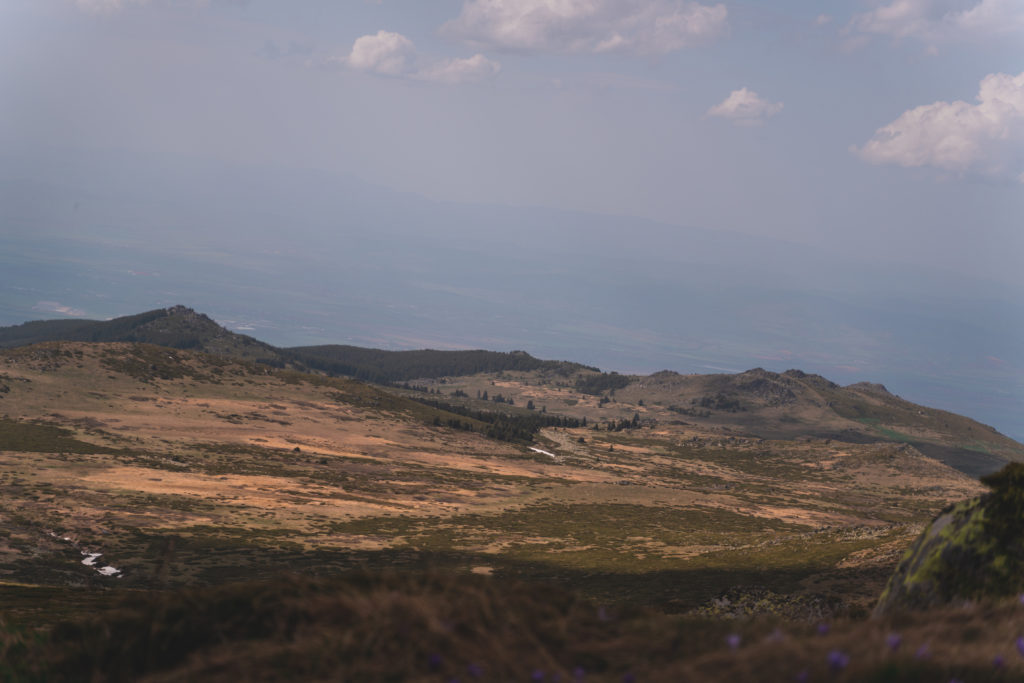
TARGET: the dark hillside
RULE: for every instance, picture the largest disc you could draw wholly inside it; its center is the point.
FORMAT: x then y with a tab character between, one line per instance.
45	330
177	327
180	327
376	365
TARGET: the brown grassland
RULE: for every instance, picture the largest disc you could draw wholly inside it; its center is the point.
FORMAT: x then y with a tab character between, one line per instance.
610	550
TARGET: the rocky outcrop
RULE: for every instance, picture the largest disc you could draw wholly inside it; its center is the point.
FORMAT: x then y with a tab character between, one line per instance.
974	549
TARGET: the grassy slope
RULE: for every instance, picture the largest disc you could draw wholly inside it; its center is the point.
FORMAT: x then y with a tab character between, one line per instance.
769	405
186	469
765	404
183	468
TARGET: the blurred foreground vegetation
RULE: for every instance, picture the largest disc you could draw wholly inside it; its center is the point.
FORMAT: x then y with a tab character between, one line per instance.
444	627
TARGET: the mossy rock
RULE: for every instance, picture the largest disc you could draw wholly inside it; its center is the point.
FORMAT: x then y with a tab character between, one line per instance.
974	549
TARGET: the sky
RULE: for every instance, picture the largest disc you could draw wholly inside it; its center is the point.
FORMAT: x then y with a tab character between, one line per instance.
894	125
883	136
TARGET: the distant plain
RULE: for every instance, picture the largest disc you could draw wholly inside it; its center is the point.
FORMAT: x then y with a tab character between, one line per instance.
306	259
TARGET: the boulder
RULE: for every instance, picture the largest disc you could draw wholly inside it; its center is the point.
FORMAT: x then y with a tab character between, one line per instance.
974	549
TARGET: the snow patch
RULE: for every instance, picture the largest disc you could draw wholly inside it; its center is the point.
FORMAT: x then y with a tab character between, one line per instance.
107	570
89	559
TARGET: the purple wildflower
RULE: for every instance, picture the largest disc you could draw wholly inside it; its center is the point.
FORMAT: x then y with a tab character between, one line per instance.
1020	645
822	629
578	674
537	675
838	660
922	652
733	641
803	677
998	662
894	640
1021	598
475	670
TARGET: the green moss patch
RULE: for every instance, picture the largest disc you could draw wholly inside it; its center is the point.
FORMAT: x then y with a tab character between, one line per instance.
37	438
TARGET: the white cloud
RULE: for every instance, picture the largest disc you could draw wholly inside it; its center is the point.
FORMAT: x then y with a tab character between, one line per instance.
637	26
453	71
387	53
986	138
745	108
901	18
941	20
993	16
392	54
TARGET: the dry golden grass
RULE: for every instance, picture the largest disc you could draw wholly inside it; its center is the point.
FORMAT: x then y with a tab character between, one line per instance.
222	469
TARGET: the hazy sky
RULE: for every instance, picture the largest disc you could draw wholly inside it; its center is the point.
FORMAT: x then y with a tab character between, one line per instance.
635	184
892	128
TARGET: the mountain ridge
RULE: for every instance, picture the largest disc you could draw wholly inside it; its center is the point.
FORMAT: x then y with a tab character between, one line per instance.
181	327
180	470
755	403
177	327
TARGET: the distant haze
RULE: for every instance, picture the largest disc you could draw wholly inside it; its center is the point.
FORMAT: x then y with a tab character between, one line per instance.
740	189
